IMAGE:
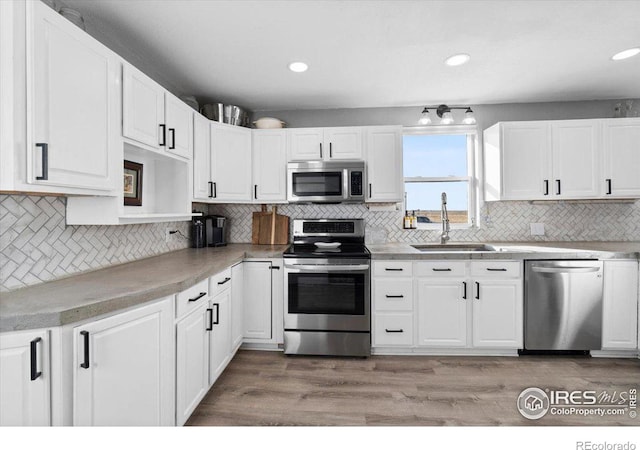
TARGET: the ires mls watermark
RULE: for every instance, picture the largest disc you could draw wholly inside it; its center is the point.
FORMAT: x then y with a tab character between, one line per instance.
535	403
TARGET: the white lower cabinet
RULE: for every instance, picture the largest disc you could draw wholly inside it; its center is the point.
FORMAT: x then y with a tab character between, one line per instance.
192	360
620	306
124	368
237	308
25	378
497	314
220	343
257	300
442	312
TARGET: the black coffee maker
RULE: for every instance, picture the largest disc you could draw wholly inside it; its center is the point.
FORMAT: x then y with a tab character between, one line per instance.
215	231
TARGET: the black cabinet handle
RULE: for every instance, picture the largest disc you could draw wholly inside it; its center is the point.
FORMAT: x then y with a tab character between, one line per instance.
491	269
163	134
369	190
210	189
45	160
255	191
320	150
608	186
85	364
558	191
400	330
210	326
330	150
441	270
546	187
194	299
274	267
215	190
34	359
173	138
217	305
464	290
224	281
393	269
477	291
394	296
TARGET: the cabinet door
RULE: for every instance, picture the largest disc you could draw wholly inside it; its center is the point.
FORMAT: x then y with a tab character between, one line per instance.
576	158
306	144
73	122
192	361
220	344
384	164
237	310
178	117
25	379
269	157
497	313
257	300
231	163
526	161
442	312
343	143
621	158
142	108
620	305
124	368
202	189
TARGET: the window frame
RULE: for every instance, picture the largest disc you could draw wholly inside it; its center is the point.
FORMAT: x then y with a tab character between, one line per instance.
471	132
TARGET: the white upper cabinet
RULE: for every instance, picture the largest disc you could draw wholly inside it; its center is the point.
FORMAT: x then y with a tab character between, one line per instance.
269	157
621	158
72	104
142	108
384	164
576	158
562	159
154	117
202	186
230	163
318	144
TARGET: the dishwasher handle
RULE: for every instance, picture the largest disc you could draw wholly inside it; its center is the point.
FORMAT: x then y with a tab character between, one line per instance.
566	269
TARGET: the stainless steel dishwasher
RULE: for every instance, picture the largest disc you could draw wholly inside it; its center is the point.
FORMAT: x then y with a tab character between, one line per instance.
563	305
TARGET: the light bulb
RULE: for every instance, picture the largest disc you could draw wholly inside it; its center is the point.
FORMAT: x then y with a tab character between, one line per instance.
425	119
469	117
298	67
447	118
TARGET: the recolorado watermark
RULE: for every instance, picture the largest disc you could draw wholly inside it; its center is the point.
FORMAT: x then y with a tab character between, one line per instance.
588	445
535	403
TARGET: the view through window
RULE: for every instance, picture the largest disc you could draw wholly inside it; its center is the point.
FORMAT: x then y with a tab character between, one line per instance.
437	163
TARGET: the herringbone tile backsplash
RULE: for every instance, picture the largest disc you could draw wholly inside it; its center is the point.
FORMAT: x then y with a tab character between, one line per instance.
37	246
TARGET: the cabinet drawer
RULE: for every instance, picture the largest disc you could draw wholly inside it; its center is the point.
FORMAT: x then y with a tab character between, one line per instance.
440	269
190	298
393	330
392	268
496	269
393	294
220	282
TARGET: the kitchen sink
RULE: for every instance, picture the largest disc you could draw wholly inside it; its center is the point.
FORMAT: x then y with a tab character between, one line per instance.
439	248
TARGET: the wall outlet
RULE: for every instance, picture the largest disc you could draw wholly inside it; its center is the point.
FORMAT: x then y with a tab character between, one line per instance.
537	229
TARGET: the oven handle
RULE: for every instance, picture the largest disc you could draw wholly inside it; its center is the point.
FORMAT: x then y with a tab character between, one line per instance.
329	267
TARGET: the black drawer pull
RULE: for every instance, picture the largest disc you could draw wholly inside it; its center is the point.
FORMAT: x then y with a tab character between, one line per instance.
546	187
394	296
173	138
369	190
491	269
215	190
477	291
320	150
608	186
34	359
202	294
393	269
464	290
210	189
559	190
45	161
441	270
394	331
224	281
330	150
85	335
163	129
255	191
217	321
210	325
274	267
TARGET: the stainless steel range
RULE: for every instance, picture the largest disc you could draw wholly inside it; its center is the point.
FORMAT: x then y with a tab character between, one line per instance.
327	307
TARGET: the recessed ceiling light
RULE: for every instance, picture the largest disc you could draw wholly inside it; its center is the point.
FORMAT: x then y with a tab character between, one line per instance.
457	60
298	67
628	53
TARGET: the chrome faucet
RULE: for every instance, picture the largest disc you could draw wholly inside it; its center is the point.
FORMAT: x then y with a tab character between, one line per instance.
444	218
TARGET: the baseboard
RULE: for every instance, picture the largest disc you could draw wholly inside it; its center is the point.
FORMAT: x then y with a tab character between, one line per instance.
390	351
615	353
267	347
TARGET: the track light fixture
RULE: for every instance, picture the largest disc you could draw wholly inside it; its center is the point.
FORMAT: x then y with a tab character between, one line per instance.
446	117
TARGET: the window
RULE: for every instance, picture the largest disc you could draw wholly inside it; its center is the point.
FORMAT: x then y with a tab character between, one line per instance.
437	160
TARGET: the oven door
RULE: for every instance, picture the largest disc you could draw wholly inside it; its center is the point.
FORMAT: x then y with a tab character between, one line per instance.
327	295
317	185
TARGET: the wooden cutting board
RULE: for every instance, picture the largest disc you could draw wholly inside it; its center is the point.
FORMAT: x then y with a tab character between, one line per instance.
273	228
255	225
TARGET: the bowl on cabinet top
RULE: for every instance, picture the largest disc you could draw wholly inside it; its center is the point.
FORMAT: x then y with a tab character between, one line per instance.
265	123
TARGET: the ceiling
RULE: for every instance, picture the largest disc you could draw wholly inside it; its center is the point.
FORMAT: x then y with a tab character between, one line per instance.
376	53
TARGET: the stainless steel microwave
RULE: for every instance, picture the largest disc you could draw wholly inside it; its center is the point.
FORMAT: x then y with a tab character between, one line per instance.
326	182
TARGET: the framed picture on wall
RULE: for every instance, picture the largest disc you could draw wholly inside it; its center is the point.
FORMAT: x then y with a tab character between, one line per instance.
132	183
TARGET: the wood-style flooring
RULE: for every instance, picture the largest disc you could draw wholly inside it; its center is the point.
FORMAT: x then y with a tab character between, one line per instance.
269	388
